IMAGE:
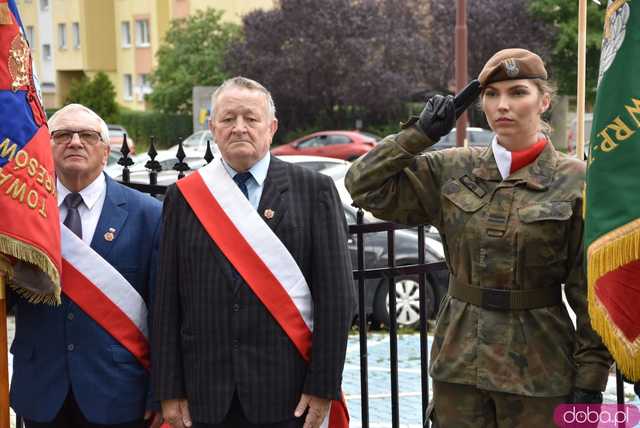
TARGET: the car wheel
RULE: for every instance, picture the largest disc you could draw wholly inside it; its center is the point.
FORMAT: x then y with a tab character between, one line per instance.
407	302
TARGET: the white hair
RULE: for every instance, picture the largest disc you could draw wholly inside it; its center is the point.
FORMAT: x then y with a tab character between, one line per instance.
104	129
243	82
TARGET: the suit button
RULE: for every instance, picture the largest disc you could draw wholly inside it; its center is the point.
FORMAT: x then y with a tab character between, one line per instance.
236	343
70	347
70	316
236	307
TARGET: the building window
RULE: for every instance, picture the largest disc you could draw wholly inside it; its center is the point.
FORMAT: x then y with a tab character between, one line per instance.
128	87
44	4
75	30
46	52
29	36
125	34
142	32
62	36
144	87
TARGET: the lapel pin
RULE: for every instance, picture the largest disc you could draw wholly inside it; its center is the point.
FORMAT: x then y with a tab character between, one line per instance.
110	235
269	213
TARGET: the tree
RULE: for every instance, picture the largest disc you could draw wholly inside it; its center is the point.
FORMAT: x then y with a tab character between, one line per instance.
492	25
191	55
327	63
562	15
98	94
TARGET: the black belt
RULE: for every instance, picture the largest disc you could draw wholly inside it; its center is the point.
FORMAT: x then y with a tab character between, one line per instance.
505	300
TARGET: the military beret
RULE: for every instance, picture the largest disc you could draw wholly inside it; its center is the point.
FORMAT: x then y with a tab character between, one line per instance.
511	64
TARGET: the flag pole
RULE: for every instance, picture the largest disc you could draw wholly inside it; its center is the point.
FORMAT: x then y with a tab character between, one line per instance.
4	358
582	71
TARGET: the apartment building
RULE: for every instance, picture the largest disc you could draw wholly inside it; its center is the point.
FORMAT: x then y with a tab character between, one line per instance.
75	38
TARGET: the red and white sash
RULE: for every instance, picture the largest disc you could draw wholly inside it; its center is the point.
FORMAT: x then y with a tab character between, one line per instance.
259	256
105	295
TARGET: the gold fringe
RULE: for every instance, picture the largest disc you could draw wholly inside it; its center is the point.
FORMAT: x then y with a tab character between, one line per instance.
626	354
615	249
5	14
33	255
608	253
33	297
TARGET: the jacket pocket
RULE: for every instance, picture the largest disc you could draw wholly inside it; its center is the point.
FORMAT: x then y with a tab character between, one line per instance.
123	356
463	198
545	211
22	351
542	235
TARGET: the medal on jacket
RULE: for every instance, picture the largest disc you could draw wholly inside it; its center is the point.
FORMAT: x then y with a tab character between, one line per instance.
110	235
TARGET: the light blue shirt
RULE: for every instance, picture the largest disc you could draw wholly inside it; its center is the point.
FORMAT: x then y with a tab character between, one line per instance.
255	184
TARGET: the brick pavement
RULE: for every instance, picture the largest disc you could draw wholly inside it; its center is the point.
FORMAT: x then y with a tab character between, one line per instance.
410	396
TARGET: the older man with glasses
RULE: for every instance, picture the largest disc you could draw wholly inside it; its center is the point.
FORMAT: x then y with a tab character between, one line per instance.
85	363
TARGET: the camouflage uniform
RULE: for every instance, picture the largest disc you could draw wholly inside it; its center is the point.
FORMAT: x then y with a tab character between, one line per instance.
521	233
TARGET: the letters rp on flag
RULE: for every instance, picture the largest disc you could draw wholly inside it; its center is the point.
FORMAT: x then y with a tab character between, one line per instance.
612	231
29	224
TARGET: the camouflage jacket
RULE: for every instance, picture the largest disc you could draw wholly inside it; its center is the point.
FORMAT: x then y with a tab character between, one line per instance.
523	232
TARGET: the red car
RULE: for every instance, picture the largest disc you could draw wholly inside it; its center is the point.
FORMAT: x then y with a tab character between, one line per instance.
347	145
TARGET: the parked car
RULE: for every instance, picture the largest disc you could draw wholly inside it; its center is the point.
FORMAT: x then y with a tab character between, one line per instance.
407	286
348	145
317	163
406	253
116	136
475	137
573	130
196	144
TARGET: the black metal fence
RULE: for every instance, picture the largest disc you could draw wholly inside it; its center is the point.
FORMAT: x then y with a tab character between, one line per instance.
360	274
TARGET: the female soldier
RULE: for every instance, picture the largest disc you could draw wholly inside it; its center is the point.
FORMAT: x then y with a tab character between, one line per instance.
505	351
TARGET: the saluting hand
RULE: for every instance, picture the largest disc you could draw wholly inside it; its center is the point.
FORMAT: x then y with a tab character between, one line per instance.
176	413
318	409
438	117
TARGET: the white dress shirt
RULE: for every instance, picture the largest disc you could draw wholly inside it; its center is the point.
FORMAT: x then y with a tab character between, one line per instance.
255	185
91	207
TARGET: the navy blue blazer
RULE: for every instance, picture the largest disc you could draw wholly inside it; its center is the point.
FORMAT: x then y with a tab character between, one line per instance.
57	348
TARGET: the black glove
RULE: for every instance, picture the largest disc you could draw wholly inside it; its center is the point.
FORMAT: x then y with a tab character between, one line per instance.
438	117
636	388
585	396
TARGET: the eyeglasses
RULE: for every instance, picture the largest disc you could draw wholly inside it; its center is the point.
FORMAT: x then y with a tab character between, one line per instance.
87	136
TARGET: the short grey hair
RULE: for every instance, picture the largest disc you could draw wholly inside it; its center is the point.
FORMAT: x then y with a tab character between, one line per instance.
104	129
246	83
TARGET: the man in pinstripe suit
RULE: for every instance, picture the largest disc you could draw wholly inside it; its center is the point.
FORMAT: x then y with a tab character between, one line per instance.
220	359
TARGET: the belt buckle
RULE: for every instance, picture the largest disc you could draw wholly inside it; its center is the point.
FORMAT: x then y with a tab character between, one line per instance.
496	299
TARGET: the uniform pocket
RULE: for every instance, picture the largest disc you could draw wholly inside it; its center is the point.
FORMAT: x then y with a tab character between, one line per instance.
462	197
542	236
545	211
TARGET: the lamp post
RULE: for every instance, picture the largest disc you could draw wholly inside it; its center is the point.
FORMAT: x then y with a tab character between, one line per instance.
461	65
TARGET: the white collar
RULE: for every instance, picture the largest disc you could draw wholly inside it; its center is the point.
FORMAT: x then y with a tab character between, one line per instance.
258	171
90	194
503	158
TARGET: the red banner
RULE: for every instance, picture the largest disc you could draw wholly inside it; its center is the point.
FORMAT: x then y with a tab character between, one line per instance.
30	226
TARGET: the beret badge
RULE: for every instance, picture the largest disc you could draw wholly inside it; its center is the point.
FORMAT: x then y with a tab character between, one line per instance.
511	67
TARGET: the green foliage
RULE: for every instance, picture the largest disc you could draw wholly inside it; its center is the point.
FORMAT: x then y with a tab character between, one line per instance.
191	55
167	128
98	94
563	15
